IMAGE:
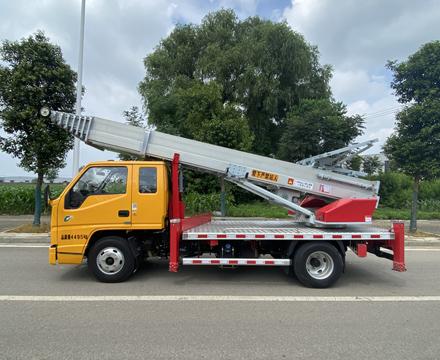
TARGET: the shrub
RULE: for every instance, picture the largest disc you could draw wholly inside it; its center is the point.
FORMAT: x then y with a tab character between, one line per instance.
200	203
18	199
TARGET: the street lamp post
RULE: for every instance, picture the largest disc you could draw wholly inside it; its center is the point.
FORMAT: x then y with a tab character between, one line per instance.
79	87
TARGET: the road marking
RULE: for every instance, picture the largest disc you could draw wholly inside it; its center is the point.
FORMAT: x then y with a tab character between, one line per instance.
145	298
24	246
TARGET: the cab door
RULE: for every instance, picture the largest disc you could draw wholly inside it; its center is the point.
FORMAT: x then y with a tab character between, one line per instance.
149	196
99	199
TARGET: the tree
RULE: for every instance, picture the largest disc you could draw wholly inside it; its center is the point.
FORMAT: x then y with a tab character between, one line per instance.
354	163
33	74
133	117
415	146
252	72
371	164
315	127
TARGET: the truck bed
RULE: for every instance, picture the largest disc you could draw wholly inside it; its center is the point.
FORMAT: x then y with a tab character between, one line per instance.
269	229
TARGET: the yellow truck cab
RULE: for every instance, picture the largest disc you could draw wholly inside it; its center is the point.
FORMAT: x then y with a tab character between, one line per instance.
107	199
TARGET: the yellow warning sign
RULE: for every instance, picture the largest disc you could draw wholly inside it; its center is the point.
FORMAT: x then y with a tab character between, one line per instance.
265	175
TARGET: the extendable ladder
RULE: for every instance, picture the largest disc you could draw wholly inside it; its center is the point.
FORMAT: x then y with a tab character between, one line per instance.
278	181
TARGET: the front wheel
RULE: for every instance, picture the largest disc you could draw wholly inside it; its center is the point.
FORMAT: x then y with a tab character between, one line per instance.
111	260
317	264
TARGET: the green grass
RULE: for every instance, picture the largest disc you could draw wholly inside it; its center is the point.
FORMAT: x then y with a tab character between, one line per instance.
404	214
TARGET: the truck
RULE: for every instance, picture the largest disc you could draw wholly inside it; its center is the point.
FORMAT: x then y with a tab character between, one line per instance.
117	214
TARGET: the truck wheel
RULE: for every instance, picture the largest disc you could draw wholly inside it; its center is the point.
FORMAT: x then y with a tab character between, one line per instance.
111	260
317	264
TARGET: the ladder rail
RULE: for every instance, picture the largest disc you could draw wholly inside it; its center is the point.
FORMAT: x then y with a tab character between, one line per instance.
234	164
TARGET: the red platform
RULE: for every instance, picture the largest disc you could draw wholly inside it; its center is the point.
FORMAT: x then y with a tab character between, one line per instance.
347	211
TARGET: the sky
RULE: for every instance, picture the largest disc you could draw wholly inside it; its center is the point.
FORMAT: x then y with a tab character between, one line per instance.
355	37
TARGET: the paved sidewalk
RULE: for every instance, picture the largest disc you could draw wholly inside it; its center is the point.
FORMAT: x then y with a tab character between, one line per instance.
8	222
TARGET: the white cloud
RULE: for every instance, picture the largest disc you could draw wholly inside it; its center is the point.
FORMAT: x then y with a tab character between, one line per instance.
357	38
118	35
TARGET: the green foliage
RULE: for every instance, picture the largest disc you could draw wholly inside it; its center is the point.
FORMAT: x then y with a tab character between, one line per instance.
371	164
315	127
415	146
355	163
19	199
395	189
403	214
231	82
133	117
417	78
197	203
33	73
430	190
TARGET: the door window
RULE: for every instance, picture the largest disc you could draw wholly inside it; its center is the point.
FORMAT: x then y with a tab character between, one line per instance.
98	180
147	180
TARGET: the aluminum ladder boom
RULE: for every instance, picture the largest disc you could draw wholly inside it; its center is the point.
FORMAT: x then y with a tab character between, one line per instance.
282	180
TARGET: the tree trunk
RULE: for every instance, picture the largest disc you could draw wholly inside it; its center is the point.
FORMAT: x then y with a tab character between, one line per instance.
414	205
222	197
37	212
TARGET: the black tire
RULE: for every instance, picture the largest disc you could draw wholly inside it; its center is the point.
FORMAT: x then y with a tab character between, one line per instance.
111	271
317	264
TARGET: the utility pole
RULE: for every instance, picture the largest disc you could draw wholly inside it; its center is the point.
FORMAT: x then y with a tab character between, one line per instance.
79	87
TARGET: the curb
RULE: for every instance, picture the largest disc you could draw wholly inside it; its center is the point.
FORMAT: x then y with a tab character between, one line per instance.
28	238
24	238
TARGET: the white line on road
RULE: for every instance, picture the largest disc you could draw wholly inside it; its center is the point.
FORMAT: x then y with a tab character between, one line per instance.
24	246
4	298
422	249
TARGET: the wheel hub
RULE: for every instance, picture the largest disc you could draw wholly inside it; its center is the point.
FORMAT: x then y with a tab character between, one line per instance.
110	260
319	265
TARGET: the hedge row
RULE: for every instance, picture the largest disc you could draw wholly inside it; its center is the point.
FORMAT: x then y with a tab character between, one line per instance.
19	199
395	193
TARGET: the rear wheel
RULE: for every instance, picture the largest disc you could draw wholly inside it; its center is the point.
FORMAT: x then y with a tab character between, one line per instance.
111	260
317	264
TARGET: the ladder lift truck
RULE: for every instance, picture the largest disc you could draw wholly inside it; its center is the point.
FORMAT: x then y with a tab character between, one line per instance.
118	213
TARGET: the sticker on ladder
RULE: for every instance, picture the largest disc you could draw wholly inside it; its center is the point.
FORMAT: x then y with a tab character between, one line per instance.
306	185
324	188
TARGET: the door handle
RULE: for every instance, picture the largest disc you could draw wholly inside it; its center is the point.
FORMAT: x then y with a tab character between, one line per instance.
123	213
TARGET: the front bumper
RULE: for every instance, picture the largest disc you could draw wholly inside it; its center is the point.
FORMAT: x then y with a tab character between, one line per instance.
53	255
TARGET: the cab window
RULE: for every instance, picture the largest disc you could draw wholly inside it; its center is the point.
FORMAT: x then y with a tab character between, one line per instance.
98	180
147	180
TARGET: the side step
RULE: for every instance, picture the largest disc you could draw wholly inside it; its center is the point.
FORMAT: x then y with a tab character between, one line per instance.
236	261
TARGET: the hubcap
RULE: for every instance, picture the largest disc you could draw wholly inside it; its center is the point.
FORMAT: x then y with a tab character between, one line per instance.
319	265
110	260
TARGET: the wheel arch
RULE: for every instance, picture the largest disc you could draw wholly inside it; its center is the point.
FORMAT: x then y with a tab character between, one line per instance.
99	234
295	244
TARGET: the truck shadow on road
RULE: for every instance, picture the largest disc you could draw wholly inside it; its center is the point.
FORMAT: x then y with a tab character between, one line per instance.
357	275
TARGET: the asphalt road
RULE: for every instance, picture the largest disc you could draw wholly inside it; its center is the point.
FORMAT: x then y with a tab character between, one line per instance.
40	329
